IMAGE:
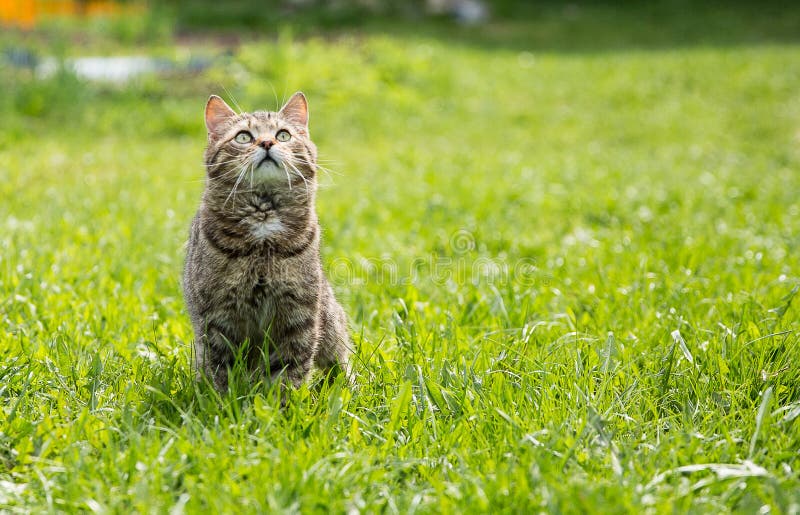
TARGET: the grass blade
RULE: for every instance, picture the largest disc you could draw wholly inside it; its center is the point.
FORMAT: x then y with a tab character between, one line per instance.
766	397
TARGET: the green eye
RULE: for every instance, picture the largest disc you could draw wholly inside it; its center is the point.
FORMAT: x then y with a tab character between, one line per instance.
243	137
283	135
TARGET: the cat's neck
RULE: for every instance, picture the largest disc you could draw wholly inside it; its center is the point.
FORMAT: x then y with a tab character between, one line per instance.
295	197
258	218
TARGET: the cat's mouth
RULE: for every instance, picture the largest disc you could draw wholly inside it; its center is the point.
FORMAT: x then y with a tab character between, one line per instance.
266	159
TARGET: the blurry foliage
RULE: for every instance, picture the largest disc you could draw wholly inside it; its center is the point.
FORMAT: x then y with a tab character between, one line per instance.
38	97
251	14
378	73
148	26
587	25
550	24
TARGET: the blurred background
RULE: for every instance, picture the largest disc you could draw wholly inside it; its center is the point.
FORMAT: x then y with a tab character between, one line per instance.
117	41
535	127
58	54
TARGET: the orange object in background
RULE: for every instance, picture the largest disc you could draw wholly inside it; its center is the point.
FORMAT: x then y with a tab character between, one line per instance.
20	13
25	14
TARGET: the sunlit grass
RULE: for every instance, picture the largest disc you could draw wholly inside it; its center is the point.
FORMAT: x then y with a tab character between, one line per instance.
571	277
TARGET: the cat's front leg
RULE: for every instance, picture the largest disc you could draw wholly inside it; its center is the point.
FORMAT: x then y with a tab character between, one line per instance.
295	345
214	355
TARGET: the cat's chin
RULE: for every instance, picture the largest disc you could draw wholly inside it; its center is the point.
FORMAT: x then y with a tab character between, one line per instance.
269	171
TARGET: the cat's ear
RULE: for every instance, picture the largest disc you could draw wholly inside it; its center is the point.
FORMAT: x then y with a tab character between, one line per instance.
296	110
217	113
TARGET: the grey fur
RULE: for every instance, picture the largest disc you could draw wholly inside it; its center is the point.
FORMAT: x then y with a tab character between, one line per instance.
252	271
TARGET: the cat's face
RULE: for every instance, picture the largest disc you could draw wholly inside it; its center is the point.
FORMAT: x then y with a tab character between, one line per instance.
254	149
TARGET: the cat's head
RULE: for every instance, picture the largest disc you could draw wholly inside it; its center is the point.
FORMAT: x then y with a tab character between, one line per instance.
261	147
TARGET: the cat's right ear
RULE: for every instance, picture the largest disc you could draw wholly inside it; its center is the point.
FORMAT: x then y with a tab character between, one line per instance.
217	114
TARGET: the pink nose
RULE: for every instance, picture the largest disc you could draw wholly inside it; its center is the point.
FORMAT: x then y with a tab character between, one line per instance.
267	143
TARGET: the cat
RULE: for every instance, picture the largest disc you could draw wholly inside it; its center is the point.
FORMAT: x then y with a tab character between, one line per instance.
253	280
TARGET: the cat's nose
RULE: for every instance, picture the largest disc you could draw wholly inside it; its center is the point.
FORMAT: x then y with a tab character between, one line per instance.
266	144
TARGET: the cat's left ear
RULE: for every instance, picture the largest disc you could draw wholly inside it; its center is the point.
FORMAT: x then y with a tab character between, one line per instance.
217	113
296	110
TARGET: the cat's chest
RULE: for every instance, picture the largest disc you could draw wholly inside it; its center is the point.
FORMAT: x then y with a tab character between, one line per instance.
263	221
254	285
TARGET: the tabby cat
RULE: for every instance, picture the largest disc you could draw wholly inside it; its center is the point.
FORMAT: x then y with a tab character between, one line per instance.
252	280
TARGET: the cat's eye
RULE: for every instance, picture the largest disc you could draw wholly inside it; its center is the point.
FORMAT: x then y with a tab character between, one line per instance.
283	135
243	137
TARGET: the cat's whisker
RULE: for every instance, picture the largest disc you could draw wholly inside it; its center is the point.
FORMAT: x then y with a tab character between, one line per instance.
329	161
233	159
235	185
235	103
240	163
283	97
237	164
329	171
238	160
275	94
301	176
252	171
288	179
239	182
223	176
324	169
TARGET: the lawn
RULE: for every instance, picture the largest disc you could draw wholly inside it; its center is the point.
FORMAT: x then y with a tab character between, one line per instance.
570	271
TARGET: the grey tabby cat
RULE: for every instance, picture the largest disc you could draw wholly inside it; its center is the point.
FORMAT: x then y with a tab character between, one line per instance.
253	274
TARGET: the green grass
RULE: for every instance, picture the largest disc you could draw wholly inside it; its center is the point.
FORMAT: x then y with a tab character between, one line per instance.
571	279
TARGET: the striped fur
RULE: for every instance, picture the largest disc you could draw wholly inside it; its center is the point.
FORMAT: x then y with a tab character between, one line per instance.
252	273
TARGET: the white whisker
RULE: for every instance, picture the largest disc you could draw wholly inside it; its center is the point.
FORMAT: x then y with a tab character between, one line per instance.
275	94
300	174
236	185
288	179
235	103
325	169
